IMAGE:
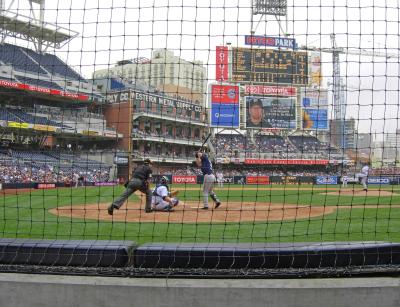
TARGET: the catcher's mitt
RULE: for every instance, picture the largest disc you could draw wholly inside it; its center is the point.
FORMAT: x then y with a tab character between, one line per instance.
174	193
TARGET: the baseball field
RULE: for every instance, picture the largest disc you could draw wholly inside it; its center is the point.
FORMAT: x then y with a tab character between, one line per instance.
305	213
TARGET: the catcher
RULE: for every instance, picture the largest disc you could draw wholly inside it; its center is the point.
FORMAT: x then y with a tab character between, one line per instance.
163	199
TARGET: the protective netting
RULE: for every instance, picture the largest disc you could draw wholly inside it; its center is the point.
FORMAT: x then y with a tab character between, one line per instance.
202	122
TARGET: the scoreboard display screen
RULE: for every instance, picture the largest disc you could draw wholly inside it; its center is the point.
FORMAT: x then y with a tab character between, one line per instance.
269	66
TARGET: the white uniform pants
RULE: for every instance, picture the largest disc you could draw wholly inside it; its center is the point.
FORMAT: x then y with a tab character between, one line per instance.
161	205
364	181
208	186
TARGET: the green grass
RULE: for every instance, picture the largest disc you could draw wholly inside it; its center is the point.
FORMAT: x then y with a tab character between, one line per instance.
27	216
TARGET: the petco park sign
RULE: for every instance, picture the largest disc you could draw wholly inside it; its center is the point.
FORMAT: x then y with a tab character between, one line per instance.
271	41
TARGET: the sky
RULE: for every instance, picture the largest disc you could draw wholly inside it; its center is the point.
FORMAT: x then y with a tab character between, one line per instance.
112	30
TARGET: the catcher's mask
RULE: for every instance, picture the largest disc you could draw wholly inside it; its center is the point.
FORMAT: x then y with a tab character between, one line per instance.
164	180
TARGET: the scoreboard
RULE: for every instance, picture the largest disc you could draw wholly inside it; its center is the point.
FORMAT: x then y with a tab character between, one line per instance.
269	66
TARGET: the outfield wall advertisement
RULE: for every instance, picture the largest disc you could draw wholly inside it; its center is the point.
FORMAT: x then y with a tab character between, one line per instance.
326	180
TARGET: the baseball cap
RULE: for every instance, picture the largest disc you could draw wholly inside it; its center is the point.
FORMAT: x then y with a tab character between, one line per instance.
147	161
256	102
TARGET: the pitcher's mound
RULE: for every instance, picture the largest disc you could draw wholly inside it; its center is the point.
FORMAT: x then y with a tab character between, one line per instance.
363	193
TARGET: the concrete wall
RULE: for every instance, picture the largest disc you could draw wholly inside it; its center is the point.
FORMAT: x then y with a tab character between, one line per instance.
52	290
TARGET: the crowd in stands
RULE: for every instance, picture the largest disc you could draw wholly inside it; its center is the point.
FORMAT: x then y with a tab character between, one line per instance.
151	133
311	144
228	144
20	116
385	171
245	171
279	147
49	167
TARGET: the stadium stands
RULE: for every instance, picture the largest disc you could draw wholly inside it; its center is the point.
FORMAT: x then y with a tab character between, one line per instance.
54	65
29	61
17	166
39	82
31	119
18	58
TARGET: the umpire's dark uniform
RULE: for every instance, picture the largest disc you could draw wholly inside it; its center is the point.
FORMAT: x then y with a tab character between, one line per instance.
139	181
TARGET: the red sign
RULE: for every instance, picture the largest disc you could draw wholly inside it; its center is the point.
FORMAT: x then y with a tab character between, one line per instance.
224	94
257	179
286	161
285	91
184	179
43	90
46	186
221	61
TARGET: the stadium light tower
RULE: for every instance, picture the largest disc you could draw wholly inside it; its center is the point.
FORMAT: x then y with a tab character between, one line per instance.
338	87
32	29
269	7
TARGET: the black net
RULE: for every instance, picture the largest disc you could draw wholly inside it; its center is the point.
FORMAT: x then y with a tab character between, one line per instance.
243	138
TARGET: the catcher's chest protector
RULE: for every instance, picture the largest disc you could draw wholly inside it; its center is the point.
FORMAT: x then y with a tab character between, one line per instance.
157	186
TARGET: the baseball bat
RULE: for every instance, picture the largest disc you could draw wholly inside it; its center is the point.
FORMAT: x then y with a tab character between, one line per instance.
205	141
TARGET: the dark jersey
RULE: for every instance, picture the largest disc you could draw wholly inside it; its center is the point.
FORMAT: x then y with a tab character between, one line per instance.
142	172
206	165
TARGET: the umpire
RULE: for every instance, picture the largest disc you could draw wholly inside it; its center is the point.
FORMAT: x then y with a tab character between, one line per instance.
139	181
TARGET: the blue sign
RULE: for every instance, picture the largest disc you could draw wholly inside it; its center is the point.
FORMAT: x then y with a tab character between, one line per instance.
315	119
327	180
378	180
225	115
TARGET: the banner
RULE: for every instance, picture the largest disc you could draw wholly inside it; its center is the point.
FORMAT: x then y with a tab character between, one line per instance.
89	132
270	112
151	99
19	125
257	179
224	106
351	179
105	184
270	41
315	69
184	179
270	90
378	180
315	119
45	186
326	180
43	90
221	63
44	128
314	98
286	161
